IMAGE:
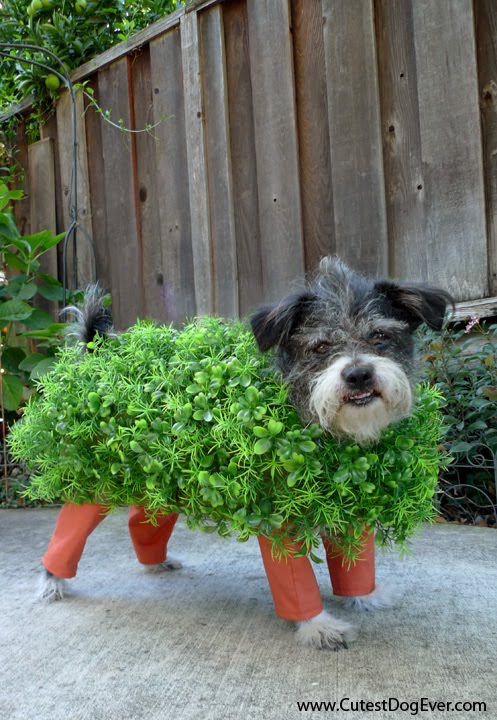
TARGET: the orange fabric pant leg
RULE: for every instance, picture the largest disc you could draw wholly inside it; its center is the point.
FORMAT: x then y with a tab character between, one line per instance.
76	522
293	584
352	580
150	539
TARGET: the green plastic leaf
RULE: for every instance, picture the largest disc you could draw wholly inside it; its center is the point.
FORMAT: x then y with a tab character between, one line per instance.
262	446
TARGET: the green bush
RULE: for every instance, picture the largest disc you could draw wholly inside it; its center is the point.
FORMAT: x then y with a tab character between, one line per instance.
22	323
197	421
75	31
462	363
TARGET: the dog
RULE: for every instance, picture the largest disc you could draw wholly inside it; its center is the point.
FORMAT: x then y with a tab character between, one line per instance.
345	349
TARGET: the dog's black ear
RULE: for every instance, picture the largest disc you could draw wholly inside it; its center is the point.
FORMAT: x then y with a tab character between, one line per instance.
416	303
274	324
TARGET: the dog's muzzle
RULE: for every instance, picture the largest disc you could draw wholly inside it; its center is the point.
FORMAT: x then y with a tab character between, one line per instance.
360	397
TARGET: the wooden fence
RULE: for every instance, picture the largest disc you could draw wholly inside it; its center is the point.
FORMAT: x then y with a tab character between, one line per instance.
286	130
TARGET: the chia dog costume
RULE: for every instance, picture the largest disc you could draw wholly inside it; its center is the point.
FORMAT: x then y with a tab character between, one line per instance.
335	442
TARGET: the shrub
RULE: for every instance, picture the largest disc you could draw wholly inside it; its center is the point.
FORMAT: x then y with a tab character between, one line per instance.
462	363
75	31
20	321
197	421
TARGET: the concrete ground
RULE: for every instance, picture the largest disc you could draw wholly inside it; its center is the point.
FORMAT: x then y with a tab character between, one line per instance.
203	642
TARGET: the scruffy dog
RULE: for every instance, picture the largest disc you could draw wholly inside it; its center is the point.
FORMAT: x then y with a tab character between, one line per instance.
345	349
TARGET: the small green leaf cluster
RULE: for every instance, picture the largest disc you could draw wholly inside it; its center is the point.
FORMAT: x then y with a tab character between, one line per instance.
75	30
21	321
462	364
198	421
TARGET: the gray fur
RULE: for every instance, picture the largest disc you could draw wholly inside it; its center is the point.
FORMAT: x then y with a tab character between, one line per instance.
362	328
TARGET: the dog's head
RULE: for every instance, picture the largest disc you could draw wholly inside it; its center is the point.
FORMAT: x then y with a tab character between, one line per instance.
345	347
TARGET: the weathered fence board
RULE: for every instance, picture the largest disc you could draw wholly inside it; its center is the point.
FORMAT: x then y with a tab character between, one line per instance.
125	255
197	170
276	148
486	32
96	179
42	184
243	164
285	130
355	135
314	136
43	213
146	190
84	269
176	271
405	201
217	139
449	124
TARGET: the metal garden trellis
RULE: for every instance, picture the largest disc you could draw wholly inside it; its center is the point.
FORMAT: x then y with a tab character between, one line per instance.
72	231
8	51
477	461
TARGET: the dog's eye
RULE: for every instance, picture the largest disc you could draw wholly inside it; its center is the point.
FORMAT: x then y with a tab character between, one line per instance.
380	337
322	348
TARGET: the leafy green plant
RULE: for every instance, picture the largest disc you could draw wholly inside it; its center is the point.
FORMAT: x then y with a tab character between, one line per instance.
462	363
198	421
21	281
75	31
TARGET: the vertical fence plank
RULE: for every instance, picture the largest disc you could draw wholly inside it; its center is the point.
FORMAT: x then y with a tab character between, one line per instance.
451	146
96	177
146	189
21	207
486	43
124	252
197	170
175	269
314	137
355	134
48	131
243	164
405	200
43	215
271	65
217	139
85	269
42	184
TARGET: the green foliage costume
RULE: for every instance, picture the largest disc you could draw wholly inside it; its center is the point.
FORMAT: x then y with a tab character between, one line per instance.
199	422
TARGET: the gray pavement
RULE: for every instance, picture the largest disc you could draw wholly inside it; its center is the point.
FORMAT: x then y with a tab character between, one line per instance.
203	642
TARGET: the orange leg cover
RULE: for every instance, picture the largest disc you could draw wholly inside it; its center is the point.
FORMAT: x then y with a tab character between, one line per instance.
76	522
293	585
354	579
150	540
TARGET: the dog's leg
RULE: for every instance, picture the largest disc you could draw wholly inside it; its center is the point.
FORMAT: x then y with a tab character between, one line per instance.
296	597
50	587
325	632
383	597
167	565
355	584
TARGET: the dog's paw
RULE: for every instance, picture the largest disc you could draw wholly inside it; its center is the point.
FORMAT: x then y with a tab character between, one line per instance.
383	597
325	632
166	566
50	587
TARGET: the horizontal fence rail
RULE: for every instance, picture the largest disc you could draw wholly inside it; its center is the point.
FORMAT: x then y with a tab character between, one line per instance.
283	130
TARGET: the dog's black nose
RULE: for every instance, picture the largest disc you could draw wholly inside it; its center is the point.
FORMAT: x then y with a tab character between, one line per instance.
358	377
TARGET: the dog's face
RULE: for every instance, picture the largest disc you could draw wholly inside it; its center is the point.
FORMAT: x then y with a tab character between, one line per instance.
345	347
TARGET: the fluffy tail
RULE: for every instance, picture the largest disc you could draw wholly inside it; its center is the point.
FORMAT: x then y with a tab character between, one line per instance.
92	317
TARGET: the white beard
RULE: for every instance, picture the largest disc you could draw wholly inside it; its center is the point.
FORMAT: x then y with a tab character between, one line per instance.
362	423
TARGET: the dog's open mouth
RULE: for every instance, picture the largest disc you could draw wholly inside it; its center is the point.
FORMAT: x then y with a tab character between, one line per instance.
361	398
